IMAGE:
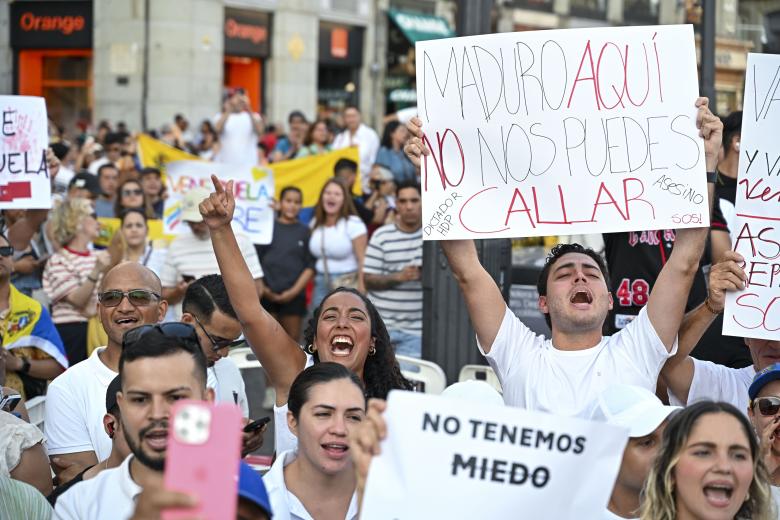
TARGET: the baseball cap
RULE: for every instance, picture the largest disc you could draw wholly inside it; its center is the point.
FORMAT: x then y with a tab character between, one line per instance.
632	407
473	391
113	387
86	181
766	376
252	488
190	202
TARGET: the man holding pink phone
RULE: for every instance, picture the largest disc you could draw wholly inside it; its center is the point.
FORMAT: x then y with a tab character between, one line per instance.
160	366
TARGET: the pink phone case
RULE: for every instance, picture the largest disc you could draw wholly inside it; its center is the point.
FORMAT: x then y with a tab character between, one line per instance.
204	450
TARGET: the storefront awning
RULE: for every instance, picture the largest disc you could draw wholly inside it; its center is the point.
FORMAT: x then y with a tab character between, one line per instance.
418	27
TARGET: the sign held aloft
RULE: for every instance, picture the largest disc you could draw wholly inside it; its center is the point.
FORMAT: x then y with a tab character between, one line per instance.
24	138
561	132
755	311
446	458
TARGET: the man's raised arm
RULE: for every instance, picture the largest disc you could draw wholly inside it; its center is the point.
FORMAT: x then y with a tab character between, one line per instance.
666	305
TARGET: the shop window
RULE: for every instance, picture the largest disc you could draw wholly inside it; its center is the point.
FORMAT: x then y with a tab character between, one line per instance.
641	11
538	5
596	9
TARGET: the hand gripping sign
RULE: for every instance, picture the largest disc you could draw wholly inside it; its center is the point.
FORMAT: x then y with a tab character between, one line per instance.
24	138
560	132
445	458
755	312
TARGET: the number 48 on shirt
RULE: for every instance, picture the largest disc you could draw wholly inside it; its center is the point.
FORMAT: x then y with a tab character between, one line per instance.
633	293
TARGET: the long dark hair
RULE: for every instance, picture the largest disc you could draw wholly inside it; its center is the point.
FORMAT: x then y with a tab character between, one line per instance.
387	135
317	374
381	373
145	206
347	208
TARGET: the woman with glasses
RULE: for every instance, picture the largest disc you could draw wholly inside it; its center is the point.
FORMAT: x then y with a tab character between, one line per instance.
709	467
346	327
73	273
764	413
131	195
317	479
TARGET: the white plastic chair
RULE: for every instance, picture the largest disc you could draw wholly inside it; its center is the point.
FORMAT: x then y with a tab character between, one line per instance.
480	373
428	375
36	408
244	358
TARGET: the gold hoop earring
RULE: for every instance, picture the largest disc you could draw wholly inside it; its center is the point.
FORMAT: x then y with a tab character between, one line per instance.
372	350
311	349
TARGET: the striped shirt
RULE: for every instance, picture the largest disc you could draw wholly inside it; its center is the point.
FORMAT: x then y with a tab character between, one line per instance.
20	500
65	271
389	251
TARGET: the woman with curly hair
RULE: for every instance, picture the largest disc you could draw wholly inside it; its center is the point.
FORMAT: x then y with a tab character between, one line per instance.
709	468
345	329
73	273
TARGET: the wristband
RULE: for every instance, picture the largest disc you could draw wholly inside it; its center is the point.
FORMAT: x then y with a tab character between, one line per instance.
25	366
708	305
712	177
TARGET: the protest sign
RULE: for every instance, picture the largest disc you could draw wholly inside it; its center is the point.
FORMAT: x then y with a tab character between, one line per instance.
755	312
560	132
253	189
24	173
448	458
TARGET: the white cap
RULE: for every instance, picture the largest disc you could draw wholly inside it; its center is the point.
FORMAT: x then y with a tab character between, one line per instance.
190	203
632	407
474	391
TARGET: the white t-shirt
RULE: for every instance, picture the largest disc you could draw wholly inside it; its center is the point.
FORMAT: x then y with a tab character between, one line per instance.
537	376
286	505
75	406
338	245
609	515
238	140
110	494
225	378
192	256
367	141
715	382
284	439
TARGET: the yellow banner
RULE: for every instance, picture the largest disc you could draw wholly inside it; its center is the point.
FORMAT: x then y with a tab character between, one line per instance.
109	226
311	173
155	153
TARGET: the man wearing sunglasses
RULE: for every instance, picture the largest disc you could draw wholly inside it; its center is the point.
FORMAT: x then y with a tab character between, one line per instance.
128	298
207	308
764	413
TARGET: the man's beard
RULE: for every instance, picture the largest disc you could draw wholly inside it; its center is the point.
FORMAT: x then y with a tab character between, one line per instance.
154	464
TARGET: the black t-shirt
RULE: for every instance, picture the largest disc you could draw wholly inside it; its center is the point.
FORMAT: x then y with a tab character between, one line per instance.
59	490
365	214
726	188
285	258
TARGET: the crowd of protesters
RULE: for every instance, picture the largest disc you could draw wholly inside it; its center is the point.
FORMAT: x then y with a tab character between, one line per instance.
113	336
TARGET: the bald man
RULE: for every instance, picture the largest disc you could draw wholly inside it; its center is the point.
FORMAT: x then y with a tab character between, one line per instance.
128	297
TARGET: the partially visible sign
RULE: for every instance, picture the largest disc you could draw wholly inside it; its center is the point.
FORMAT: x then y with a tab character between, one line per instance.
253	190
340	45
60	25
448	458
247	33
24	138
755	312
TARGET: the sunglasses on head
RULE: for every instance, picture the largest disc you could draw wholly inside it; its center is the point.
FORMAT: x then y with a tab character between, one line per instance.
172	330
129	192
136	297
6	250
767	406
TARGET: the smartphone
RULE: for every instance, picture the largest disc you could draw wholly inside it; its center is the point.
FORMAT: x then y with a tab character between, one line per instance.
256	425
202	459
188	278
9	402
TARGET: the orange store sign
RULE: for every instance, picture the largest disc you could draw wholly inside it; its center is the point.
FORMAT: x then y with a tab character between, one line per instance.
62	24
242	31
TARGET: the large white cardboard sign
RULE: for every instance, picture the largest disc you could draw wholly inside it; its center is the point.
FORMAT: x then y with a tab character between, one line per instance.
24	138
446	458
561	132
253	190
755	312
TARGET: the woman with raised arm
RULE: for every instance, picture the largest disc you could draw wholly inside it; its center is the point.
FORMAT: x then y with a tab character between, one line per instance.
346	327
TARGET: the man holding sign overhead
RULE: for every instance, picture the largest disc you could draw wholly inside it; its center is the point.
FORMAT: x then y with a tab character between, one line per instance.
562	374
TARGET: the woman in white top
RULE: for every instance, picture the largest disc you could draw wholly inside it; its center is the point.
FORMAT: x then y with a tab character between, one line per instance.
709	467
764	413
317	480
345	329
338	241
133	234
